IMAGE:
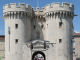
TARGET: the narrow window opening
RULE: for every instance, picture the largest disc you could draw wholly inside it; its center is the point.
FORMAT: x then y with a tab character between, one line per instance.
73	50
16	41
60	24
34	26
16	26
73	43
60	40
42	26
47	26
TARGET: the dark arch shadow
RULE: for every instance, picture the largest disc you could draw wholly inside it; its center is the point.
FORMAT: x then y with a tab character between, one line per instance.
38	52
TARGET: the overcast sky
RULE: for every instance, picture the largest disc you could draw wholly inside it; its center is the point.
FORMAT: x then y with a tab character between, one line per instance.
42	3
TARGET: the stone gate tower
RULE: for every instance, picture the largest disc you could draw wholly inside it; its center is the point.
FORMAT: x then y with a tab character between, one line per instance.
59	28
31	32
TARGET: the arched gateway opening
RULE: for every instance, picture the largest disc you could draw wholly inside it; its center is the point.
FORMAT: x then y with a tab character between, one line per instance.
38	55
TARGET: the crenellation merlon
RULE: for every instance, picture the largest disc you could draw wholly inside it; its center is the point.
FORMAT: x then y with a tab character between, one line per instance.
22	5
13	5
6	6
55	5
72	6
65	4
37	8
28	6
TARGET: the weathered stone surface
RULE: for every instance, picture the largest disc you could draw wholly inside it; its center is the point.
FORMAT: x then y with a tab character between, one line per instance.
52	23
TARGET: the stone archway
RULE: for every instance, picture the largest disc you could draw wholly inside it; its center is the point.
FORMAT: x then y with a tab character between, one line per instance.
38	52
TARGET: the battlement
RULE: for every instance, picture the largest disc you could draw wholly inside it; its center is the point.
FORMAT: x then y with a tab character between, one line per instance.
38	9
39	12
53	7
56	6
13	7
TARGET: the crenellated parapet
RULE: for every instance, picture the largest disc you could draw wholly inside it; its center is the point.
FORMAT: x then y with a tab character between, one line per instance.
13	9
39	12
48	11
55	9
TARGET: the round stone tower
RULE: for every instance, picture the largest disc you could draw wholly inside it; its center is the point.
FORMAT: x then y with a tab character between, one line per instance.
59	28
56	27
17	18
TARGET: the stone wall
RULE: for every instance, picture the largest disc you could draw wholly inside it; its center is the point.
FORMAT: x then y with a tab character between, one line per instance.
52	23
2	47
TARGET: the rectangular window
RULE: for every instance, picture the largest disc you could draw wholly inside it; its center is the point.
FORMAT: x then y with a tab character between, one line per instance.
16	26
34	26
60	24
73	43
73	50
16	41
60	40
